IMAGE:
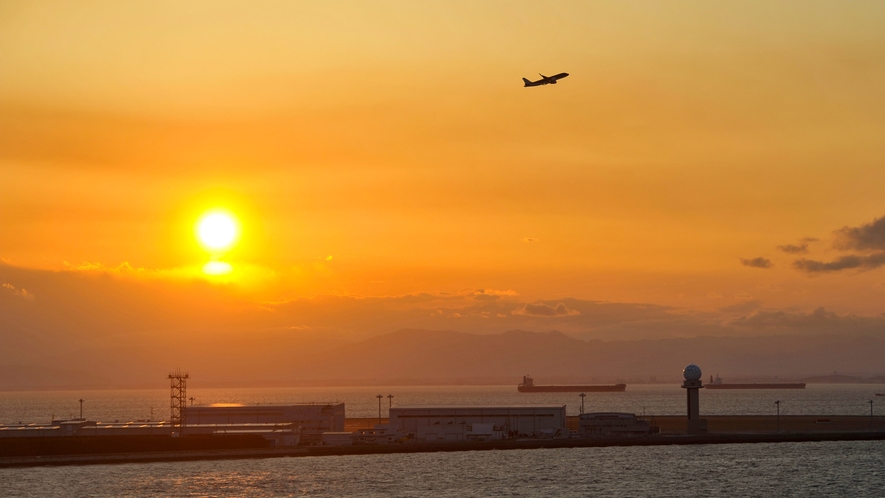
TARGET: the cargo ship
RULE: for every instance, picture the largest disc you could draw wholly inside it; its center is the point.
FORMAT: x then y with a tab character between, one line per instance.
528	386
718	384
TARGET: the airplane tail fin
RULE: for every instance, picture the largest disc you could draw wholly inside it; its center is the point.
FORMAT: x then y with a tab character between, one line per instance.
527	82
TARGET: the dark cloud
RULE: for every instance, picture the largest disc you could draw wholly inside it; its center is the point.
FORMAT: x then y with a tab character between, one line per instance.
542	309
819	320
529	239
870	236
742	307
121	327
794	249
844	263
757	262
809	240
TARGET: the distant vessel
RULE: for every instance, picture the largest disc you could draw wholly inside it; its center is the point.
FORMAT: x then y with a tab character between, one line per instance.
718	384
528	386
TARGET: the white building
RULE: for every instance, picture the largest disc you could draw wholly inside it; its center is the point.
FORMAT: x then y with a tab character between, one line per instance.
477	423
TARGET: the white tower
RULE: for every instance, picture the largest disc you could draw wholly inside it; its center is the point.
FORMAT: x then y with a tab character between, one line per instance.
692	374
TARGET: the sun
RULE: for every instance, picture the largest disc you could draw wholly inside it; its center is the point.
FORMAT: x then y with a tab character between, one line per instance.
217	231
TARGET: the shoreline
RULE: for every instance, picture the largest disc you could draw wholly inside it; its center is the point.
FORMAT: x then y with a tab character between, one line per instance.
504	381
719	424
525	444
723	430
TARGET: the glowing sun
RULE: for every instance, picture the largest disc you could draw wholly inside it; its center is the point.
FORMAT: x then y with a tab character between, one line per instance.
217	231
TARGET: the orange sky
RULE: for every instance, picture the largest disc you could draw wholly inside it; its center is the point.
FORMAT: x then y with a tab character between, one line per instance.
389	148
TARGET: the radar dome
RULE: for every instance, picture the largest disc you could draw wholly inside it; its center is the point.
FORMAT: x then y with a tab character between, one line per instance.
692	372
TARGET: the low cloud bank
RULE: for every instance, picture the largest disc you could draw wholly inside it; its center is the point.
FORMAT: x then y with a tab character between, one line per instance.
757	262
542	309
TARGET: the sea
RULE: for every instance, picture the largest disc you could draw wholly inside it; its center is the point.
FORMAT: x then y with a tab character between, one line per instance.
852	468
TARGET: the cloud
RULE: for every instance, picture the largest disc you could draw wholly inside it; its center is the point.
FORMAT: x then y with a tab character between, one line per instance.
757	262
542	309
492	294
242	274
18	292
794	249
529	239
870	236
123	326
809	239
742	307
870	262
819	320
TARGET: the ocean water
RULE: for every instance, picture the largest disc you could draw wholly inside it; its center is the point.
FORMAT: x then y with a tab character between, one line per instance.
127	405
787	469
827	469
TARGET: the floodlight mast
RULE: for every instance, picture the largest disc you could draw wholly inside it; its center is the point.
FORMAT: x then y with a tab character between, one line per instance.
178	398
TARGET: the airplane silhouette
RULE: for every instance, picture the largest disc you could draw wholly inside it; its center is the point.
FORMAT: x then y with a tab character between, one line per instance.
545	80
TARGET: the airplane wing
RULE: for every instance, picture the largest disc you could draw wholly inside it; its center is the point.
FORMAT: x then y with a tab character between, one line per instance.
545	80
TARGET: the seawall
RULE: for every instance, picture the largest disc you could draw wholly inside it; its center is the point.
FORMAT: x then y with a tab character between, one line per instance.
723	430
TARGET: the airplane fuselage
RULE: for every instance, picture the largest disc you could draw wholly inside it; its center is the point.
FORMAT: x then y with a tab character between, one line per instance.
545	80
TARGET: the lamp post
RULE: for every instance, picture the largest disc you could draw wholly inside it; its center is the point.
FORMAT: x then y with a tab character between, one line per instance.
389	401
582	402
81	408
379	408
192	400
778	404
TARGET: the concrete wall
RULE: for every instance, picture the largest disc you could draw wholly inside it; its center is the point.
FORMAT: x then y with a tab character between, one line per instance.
612	424
462	423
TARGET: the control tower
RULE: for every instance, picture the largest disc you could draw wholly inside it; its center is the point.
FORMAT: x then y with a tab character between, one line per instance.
692	374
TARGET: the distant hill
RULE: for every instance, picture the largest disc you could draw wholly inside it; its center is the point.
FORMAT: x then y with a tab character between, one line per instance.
411	356
844	379
555	357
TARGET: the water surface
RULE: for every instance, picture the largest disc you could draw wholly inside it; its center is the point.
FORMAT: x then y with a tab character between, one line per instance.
854	468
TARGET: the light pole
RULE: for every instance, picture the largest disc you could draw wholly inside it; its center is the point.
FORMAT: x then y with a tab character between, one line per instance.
778	404
379	408
582	402
389	401
81	408
192	400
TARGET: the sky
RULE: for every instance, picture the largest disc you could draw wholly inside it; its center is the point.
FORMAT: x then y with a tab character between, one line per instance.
718	165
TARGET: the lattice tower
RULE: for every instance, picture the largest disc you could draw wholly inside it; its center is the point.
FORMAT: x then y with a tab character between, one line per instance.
178	396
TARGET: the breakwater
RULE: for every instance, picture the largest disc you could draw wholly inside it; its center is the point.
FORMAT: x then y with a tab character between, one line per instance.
723	430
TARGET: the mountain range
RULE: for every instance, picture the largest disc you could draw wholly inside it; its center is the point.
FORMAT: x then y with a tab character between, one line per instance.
412	356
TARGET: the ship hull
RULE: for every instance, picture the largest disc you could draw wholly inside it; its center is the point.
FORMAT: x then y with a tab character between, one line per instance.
615	388
793	385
